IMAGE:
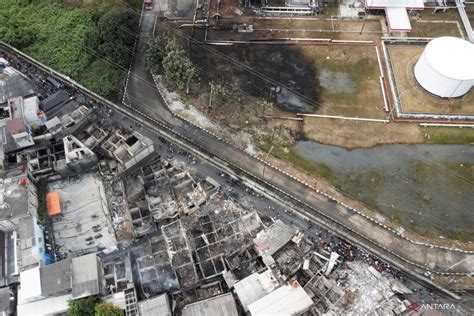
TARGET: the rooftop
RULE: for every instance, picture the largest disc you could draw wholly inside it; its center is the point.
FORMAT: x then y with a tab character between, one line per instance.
409	4
273	238
40	282
222	305
286	300
158	305
16	200
451	57
31	242
84	215
31	289
86	280
13	84
49	306
56	277
254	287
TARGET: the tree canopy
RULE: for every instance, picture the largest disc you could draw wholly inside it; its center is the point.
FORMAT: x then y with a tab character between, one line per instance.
154	53
92	306
108	309
115	34
165	52
90	41
82	307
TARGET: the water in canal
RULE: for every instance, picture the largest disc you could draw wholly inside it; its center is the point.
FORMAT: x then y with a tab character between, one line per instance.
428	188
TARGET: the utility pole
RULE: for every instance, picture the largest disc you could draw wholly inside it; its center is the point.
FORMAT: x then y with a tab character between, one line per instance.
265	165
210	97
366	16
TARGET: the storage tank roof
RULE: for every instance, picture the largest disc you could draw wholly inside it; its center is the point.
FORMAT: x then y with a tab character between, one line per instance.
451	57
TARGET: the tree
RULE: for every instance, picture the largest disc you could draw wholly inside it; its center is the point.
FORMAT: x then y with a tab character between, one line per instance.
155	52
101	78
82	307
219	93
108	309
114	36
15	33
177	66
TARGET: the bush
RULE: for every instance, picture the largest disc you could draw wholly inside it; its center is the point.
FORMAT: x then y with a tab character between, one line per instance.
155	52
82	307
101	78
65	36
107	309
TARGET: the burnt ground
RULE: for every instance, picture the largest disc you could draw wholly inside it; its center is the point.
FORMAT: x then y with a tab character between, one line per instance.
281	80
278	74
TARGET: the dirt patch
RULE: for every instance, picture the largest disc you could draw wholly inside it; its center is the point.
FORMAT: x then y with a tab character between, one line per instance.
353	134
333	80
449	15
433	29
349	79
287	27
412	97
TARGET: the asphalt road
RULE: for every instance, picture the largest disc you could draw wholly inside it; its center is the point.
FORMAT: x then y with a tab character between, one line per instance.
142	94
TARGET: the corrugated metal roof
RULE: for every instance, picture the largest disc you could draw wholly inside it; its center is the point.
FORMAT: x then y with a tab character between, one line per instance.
50	306
159	305
56	277
274	237
286	300
249	290
85	276
222	305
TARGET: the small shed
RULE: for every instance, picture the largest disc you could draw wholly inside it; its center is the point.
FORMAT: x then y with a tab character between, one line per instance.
52	203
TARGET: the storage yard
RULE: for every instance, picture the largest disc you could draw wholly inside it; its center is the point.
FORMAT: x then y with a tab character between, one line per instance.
416	100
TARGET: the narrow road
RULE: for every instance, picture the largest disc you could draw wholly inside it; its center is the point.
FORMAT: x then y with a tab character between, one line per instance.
142	94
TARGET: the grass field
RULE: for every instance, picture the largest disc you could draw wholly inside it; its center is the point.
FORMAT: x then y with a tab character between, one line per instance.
447	135
433	29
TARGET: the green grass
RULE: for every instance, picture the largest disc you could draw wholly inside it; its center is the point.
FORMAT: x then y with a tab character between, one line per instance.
309	167
60	35
448	135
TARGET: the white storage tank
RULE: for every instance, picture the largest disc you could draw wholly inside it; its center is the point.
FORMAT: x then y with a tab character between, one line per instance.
446	67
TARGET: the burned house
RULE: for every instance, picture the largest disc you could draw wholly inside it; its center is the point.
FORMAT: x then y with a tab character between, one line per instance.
59	159
161	189
271	239
153	266
117	271
127	148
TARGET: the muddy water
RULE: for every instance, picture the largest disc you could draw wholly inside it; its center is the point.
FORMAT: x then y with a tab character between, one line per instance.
428	188
336	81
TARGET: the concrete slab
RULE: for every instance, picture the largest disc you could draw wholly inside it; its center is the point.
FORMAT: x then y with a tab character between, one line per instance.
83	207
